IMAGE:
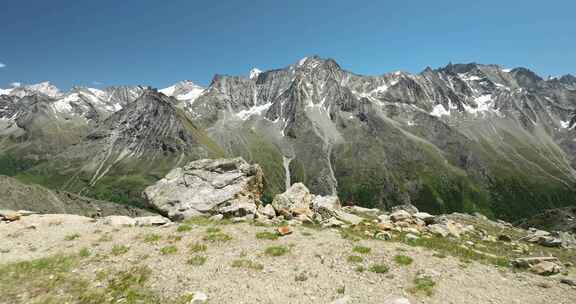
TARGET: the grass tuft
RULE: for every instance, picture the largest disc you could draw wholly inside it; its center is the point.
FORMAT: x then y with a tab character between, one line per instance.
244	263
361	249
169	250
119	249
197	260
403	260
266	235
379	268
276	250
423	286
355	259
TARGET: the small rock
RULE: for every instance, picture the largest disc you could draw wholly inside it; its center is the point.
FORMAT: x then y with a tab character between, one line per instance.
385	226
529	262
268	211
156	220
411	209
238	219
411	230
9	215
383	236
425	217
26	212
119	221
372	211
396	300
199	298
332	222
546	268
400	215
217	217
411	237
384	218
569	281
284	230
348	217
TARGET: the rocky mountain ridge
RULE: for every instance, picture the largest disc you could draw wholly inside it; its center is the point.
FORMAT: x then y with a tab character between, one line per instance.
465	137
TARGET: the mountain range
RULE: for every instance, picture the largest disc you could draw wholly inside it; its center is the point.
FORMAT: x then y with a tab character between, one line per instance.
464	137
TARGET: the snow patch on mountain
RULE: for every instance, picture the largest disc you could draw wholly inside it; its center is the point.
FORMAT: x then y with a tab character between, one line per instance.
439	111
184	91
255	110
254	73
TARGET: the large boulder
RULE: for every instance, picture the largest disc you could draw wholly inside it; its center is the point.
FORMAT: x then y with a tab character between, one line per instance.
207	186
296	200
326	206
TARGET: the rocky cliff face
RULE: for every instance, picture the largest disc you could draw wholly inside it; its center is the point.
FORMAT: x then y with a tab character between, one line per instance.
465	137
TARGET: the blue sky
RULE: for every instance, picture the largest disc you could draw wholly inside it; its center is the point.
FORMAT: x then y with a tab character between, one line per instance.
105	42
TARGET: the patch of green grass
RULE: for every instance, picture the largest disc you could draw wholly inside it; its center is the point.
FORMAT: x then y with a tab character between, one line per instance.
84	252
198	247
152	238
244	263
341	290
423	286
174	238
217	237
276	250
184	228
119	249
197	260
355	259
266	235
379	268
51	280
213	230
169	250
360	268
106	237
403	260
361	249
71	237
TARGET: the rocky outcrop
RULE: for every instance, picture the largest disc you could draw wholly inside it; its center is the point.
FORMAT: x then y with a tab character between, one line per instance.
208	186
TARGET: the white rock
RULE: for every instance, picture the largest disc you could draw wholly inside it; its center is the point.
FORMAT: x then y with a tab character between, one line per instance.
199	298
156	220
396	300
268	211
119	221
348	217
400	215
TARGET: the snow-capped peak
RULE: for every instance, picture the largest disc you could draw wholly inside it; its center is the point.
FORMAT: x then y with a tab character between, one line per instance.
254	73
183	90
45	88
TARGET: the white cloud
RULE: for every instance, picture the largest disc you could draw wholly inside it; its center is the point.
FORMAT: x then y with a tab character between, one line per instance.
15	84
2	65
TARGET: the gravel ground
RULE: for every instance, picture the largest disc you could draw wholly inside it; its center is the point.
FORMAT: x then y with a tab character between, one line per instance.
314	270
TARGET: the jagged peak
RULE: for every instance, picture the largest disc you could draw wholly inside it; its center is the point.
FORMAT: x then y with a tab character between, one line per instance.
254	73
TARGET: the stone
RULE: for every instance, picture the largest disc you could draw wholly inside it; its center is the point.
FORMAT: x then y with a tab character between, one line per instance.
297	197
155	220
411	237
343	300
325	206
202	186
386	236
396	300
358	209
571	281
332	222
411	209
239	207
385	226
400	215
438	229
238	220
549	241
531	261
284	230
427	218
268	211
199	298
348	217
217	217
411	230
9	215
26	212
119	221
546	268
384	218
